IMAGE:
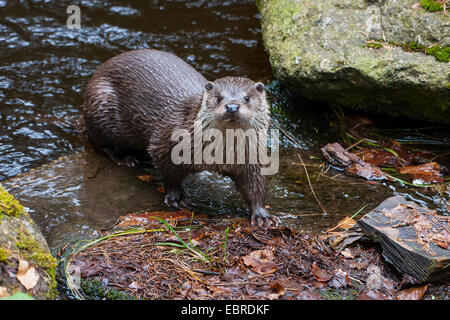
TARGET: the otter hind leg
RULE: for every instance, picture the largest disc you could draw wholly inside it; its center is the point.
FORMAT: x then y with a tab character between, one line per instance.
121	160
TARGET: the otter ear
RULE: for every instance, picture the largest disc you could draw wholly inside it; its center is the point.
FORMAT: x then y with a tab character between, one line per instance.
260	87
208	86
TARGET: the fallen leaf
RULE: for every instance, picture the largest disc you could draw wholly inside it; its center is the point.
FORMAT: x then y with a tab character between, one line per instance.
318	284
415	293
347	253
358	265
442	239
339	280
143	218
27	275
429	172
4	292
374	281
320	274
146	177
277	288
377	157
346	223
336	155
161	189
260	261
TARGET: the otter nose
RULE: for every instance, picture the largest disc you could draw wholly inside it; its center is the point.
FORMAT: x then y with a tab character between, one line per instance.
232	107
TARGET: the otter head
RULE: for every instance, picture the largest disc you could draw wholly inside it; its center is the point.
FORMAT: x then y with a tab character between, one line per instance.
233	102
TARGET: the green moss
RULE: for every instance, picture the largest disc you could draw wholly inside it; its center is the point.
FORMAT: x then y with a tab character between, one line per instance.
33	251
3	255
412	46
340	294
374	45
258	4
431	5
26	242
9	205
440	53
95	290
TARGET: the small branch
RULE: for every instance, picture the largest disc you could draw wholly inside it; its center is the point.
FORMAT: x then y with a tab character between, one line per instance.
310	185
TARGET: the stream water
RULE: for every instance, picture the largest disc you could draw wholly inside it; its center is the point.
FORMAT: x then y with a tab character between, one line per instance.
71	190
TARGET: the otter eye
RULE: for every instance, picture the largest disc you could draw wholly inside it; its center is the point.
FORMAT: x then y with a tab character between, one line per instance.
247	98
218	99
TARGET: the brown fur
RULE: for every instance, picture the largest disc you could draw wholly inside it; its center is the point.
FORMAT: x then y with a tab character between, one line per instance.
135	100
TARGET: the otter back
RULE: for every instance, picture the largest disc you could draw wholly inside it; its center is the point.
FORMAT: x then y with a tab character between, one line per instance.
131	95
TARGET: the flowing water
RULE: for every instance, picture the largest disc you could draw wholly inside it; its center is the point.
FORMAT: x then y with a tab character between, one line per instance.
71	190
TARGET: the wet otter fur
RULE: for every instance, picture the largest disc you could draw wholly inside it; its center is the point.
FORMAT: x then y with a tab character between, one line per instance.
136	100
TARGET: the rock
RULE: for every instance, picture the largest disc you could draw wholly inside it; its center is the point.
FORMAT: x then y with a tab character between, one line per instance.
414	239
26	264
362	54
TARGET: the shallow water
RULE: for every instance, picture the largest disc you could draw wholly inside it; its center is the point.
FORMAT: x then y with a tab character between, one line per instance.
72	190
45	66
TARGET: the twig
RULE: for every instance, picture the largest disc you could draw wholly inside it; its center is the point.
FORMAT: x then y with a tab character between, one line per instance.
310	185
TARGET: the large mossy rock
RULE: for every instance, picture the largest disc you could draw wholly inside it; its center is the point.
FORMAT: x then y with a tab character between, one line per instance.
363	54
26	265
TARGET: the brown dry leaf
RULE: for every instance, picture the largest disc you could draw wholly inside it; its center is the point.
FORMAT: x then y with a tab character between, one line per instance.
374	281
318	284
276	291
358	265
339	280
277	288
161	189
347	253
442	239
146	177
27	275
260	261
335	154
320	274
143	218
4	292
346	223
429	172
415	293
377	157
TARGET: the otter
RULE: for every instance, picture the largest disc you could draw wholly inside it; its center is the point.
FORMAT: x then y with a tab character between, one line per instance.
135	101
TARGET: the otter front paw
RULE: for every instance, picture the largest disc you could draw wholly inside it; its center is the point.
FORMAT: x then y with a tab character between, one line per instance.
263	219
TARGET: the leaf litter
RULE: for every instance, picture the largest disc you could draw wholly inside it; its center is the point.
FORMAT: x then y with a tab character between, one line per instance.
174	255
377	152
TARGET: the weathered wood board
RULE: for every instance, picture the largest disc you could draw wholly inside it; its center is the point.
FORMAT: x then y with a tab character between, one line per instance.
414	239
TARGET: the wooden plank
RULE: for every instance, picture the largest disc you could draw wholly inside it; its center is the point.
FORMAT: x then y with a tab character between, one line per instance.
413	238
